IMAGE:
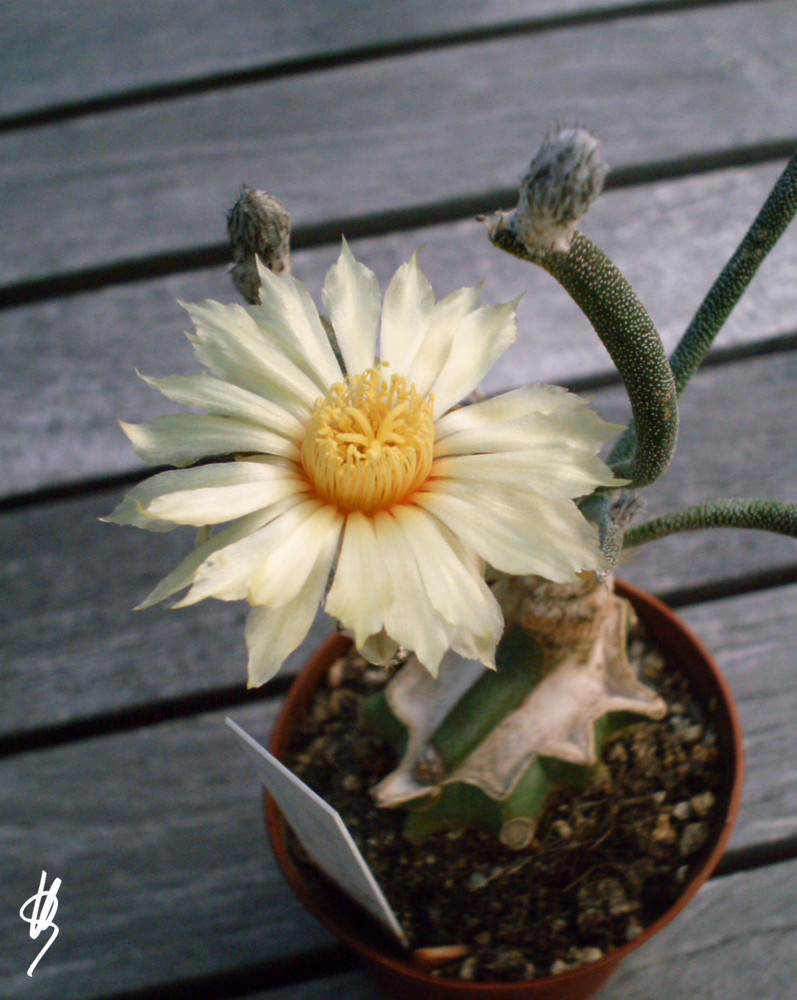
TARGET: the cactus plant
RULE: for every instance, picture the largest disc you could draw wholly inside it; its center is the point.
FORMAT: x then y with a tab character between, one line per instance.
337	464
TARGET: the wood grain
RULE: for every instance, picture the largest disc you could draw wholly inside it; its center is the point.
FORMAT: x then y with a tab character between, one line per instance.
157	837
103	48
159	840
136	796
67	366
395	133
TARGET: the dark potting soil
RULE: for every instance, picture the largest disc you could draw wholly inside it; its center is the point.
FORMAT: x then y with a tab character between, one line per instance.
604	865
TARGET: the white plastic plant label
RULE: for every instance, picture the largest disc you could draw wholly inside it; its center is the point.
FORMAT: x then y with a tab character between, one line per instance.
321	832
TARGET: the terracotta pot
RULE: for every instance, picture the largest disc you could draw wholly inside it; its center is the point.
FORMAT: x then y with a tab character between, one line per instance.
384	958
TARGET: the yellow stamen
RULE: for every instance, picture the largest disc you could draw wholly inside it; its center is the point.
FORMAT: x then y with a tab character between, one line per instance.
369	443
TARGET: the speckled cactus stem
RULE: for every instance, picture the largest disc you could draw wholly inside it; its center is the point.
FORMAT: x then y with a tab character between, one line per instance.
767	228
562	181
763	515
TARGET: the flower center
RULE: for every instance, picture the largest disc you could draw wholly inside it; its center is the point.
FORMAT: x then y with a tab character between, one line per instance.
369	443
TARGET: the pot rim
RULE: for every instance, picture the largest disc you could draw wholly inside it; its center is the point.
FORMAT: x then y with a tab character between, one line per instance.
657	616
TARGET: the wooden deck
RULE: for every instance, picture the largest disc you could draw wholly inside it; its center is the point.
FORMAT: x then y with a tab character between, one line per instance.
126	130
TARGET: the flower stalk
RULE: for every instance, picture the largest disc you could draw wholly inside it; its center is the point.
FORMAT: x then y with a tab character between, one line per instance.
768	226
624	326
763	515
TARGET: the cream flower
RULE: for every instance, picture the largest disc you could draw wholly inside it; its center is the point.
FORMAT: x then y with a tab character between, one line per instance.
361	480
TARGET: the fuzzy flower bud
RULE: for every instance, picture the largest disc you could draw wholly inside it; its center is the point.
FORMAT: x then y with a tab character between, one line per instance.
562	181
258	224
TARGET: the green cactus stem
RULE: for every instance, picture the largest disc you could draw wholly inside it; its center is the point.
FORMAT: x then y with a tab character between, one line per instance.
624	326
518	664
764	515
767	228
475	713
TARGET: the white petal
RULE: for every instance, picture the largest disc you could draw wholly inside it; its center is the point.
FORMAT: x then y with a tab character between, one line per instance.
283	574
455	591
219	503
441	332
187	437
226	575
508	406
409	301
550	538
379	648
272	634
352	297
289	318
563	472
533	415
535	431
135	508
231	345
411	620
361	594
481	338
183	574
223	399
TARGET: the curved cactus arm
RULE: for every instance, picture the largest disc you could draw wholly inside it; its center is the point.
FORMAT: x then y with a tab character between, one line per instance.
623	324
767	228
765	515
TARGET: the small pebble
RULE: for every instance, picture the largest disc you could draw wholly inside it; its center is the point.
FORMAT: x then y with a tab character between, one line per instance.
585	955
633	929
692	734
692	839
663	832
468	969
681	810
703	804
337	673
562	829
477	881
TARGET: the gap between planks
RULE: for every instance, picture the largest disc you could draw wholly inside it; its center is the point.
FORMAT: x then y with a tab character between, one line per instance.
305	237
133	185
308	62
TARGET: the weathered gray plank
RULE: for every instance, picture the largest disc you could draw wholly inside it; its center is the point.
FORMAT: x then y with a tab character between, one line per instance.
736	940
69	582
119	47
67	366
731	444
69	585
157	837
393	133
752	638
